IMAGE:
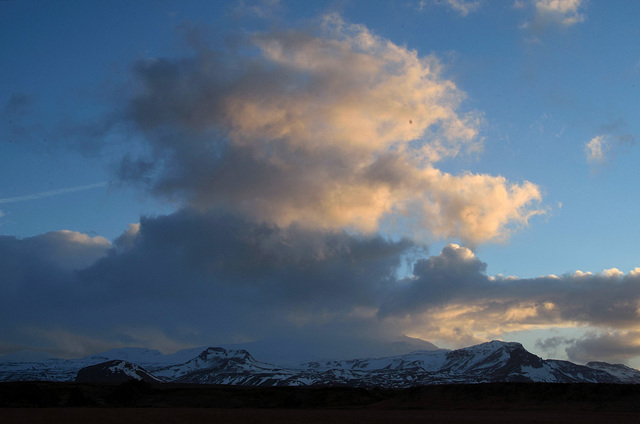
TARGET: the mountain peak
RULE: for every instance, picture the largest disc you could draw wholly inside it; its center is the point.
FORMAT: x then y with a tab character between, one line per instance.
494	361
215	353
114	371
502	343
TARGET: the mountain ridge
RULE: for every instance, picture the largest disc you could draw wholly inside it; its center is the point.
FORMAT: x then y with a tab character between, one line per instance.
489	362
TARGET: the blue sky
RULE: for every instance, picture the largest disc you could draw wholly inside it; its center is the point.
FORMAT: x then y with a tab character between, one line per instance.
496	139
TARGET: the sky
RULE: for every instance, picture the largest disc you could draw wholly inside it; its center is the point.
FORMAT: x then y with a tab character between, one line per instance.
178	174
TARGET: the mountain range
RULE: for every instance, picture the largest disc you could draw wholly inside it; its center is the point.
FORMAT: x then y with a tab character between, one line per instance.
494	361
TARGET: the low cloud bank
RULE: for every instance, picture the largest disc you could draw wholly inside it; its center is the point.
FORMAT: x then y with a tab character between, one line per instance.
194	278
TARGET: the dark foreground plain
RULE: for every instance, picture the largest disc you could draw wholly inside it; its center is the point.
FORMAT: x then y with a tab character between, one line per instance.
258	416
38	402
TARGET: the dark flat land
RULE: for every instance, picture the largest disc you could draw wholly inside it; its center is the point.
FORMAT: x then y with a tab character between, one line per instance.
307	416
39	402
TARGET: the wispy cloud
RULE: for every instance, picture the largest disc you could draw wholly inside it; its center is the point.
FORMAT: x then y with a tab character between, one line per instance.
596	149
552	13
601	149
52	193
259	8
549	15
463	7
564	12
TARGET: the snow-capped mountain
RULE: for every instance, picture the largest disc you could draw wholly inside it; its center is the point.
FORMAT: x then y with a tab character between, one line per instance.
622	372
494	361
220	366
146	358
115	371
488	362
37	366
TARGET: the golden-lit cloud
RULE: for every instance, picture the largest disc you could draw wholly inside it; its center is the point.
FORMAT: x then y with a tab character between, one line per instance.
450	300
337	128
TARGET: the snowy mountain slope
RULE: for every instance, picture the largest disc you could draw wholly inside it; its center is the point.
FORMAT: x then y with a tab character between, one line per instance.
48	370
622	372
146	358
115	371
494	361
488	362
38	366
140	356
420	360
214	361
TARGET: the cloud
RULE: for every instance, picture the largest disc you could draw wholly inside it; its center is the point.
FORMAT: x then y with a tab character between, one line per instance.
597	148
607	346
51	193
258	8
289	153
563	12
449	297
463	7
39	284
327	129
65	249
551	14
552	344
601	149
194	278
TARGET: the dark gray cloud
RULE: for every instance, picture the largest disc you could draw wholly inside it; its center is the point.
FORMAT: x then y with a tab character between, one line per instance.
552	344
218	249
194	278
39	285
452	276
66	250
613	347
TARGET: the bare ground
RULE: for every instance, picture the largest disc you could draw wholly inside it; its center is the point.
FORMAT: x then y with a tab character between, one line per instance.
257	416
137	402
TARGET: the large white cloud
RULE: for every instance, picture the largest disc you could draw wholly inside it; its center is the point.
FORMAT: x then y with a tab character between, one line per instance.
333	128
